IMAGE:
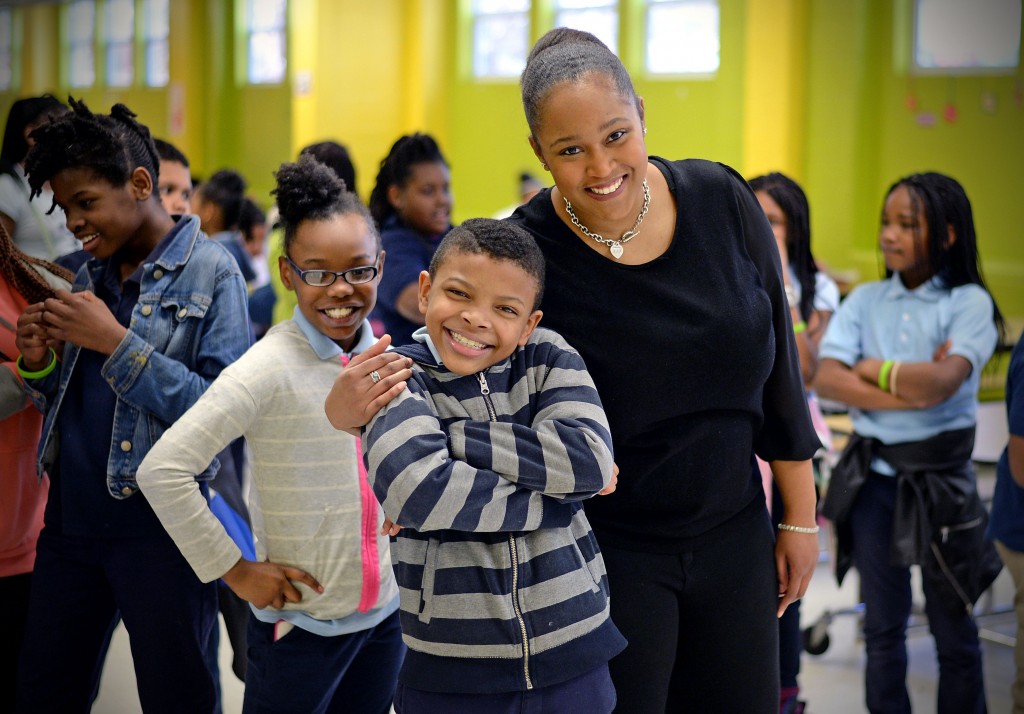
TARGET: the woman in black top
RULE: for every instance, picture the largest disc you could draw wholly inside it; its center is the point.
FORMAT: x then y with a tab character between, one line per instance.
665	276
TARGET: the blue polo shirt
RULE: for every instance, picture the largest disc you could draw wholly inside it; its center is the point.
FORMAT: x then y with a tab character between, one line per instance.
886	321
79	502
1007	523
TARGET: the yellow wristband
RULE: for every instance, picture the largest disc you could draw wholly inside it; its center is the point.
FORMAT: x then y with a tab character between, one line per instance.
883	375
25	374
799	327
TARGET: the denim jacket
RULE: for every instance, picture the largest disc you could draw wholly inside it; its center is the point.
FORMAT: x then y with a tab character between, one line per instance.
190	322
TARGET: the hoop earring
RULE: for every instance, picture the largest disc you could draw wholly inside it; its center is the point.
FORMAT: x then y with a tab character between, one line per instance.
645	131
546	167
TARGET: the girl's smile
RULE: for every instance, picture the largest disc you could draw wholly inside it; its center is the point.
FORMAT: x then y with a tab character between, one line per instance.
339	243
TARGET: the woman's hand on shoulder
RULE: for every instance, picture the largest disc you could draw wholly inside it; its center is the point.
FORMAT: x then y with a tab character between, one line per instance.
366	385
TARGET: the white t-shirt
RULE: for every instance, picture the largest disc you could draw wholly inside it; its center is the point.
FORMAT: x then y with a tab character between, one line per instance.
35	232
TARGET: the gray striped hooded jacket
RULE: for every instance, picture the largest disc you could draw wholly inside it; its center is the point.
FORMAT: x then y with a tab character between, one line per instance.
502	583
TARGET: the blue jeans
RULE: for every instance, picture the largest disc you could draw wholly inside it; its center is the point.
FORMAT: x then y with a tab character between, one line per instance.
78	588
887	604
591	692
304	672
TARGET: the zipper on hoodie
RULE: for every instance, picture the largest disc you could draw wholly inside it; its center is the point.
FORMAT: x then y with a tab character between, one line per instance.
485	391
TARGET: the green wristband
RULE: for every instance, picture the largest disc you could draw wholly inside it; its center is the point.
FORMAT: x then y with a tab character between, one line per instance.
883	375
799	327
25	374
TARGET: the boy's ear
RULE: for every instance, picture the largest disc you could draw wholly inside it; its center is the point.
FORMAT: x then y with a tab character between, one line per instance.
424	291
286	273
141	183
530	326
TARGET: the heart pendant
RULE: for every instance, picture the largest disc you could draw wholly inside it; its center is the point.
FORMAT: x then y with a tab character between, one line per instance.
616	250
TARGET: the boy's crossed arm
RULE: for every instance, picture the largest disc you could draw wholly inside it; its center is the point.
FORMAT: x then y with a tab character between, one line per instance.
421	486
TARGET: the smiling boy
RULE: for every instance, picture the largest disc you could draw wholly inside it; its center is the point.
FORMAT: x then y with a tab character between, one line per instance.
484	461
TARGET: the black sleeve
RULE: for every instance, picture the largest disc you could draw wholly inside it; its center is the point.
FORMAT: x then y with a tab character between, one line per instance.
787	433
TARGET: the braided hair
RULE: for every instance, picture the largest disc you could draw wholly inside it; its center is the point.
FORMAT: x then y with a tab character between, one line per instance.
793	201
111	146
308	190
16	268
396	168
945	205
567	55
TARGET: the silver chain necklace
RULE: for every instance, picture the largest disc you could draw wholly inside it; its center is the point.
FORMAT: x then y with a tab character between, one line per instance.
615	247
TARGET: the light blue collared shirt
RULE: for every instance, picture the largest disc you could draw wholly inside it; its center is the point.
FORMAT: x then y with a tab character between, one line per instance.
885	320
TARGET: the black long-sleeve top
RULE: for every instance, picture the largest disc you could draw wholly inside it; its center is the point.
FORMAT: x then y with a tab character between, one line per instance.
693	356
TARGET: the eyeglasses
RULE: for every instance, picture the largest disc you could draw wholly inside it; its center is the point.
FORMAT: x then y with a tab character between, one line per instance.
323	278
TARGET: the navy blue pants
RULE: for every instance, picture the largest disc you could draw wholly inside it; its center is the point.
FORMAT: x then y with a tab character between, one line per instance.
79	587
592	693
887	603
702	630
304	672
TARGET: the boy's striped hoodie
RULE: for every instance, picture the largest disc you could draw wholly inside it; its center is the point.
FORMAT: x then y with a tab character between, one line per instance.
502	584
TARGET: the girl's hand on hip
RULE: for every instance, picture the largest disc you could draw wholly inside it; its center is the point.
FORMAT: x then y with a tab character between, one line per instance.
268	584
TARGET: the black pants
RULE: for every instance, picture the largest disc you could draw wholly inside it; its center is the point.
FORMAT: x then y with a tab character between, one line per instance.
79	587
701	624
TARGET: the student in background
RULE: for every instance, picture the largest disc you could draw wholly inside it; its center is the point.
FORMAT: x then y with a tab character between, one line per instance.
412	204
812	298
175	178
34	228
906	355
150	322
218	202
325	635
485	462
1007	524
24	280
254	228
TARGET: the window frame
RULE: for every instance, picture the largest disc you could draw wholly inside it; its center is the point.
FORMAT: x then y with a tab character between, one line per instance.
919	70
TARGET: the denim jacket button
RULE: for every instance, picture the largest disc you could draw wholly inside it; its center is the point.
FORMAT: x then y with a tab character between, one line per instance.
157	274
126	445
147	310
126	491
182	312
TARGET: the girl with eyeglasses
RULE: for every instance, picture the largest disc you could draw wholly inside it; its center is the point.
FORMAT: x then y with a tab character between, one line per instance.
321	585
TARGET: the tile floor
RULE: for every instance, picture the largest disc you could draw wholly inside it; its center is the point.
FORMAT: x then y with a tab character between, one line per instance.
832	682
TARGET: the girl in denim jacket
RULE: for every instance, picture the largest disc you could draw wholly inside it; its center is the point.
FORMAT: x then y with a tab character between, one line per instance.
152	319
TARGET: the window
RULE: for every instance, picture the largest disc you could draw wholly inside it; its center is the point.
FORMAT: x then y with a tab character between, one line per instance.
682	37
598	17
6	49
501	31
266	26
119	26
956	35
81	33
156	30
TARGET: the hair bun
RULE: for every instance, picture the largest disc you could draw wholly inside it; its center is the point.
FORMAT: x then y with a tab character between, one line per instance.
304	187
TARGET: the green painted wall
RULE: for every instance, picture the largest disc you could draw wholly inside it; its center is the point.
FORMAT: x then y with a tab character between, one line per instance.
862	136
366	73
